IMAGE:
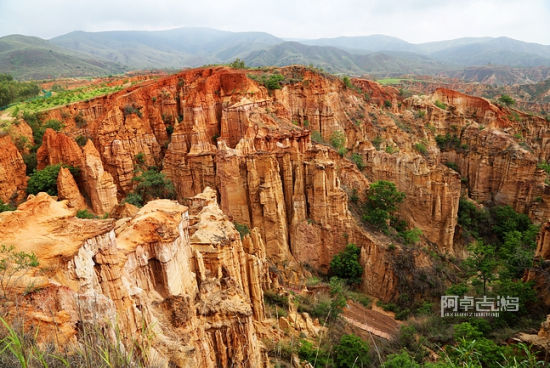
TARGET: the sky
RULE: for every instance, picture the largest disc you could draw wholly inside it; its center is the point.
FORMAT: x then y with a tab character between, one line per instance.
412	20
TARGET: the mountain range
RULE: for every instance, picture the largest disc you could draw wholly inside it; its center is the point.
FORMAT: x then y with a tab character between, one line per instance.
95	53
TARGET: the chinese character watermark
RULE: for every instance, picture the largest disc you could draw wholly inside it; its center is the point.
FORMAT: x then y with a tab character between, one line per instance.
468	306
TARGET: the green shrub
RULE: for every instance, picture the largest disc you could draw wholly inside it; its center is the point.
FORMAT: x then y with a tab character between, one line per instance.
421	147
351	352
390	149
317	137
447	142
411	236
140	158
452	165
544	166
169	130
347	82
345	265
357	159
153	184
131	109
81	140
272	297
79	120
337	139
243	229
30	162
46	180
467	331
273	81
376	142
317	356
458	289
387	103
21	142
420	114
5	207
440	104
507	100
401	360
133	198
85	214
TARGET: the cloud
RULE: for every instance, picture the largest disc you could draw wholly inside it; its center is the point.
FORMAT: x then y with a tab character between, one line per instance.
412	20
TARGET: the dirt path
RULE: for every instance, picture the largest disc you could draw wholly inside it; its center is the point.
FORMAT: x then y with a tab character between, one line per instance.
369	320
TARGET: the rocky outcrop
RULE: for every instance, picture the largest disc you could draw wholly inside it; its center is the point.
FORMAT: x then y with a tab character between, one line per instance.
432	194
471	107
181	273
13	180
68	189
500	171
58	148
540	274
98	184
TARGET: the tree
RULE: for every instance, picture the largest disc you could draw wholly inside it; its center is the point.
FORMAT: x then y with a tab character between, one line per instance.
133	198
482	262
350	352
238	64
345	265
358	161
153	184
382	200
401	360
44	180
507	100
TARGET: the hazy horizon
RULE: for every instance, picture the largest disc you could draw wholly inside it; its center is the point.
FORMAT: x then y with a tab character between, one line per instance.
414	21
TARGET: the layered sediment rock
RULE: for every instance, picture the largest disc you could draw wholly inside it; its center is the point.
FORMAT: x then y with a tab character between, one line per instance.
13	180
98	183
540	274
181	273
68	189
216	127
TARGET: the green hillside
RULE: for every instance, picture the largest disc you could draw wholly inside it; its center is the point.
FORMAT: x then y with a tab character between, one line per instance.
26	57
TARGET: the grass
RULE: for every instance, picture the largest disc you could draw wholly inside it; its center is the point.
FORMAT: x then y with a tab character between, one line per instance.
21	349
391	81
63	98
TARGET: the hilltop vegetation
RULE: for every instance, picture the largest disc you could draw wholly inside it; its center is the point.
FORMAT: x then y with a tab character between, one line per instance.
13	91
27	57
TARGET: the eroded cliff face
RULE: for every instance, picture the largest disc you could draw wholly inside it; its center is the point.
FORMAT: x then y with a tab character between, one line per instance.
216	127
13	179
497	150
540	274
181	274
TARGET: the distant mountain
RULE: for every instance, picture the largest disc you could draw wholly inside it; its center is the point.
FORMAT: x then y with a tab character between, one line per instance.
336	60
364	43
393	63
27	57
172	48
92	53
500	75
331	59
459	52
496	51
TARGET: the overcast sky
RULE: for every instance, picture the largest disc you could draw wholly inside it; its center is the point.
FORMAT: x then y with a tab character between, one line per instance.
412	20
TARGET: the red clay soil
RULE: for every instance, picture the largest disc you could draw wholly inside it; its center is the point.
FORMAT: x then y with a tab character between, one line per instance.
371	321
